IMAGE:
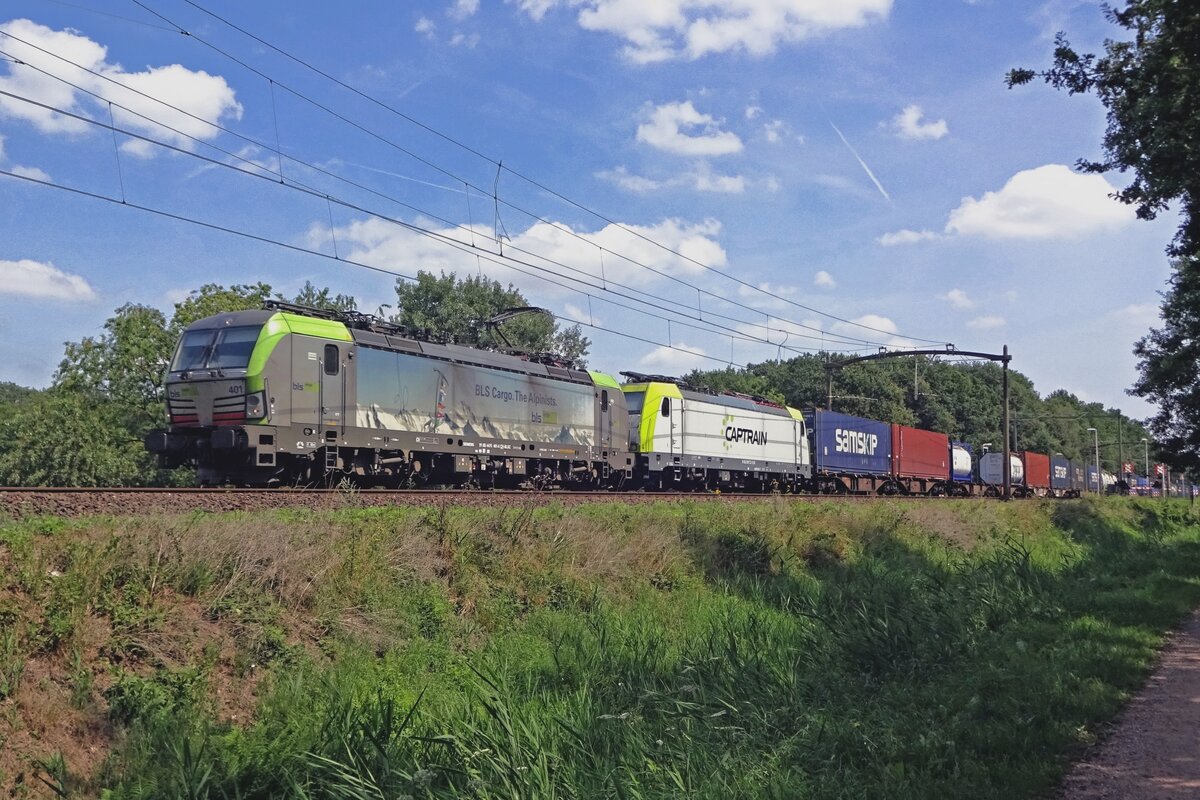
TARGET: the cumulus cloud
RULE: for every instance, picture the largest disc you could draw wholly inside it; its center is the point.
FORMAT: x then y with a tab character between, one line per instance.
425	26
959	299
824	280
676	361
680	129
1048	202
26	278
910	124
208	97
467	40
774	130
986	323
905	237
380	243
705	180
874	327
753	112
660	30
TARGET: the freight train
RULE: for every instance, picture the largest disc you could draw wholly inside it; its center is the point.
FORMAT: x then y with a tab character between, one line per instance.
290	395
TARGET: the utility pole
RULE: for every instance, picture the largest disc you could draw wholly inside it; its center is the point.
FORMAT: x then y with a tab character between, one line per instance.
1120	450
1007	455
828	383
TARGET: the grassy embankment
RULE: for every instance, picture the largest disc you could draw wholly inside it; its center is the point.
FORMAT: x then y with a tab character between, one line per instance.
757	650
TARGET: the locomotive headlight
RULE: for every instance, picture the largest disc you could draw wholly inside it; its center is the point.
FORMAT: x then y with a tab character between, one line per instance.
256	406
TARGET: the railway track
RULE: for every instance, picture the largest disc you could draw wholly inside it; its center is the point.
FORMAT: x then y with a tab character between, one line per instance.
23	501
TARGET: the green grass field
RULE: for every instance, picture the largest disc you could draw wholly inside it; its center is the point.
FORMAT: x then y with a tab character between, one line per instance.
757	650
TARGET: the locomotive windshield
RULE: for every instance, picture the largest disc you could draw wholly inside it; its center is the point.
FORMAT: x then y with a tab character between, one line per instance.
633	401
219	348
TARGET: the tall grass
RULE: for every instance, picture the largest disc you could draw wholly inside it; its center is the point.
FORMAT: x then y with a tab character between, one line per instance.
784	651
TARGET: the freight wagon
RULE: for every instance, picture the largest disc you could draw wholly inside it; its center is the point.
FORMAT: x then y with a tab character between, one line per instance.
991	474
1037	473
920	461
849	454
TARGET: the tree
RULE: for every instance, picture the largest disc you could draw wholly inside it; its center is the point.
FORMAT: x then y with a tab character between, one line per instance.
1151	88
108	392
321	298
458	310
63	437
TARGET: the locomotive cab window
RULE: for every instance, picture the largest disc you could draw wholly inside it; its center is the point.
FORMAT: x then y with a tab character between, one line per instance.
666	407
332	361
219	348
633	402
604	399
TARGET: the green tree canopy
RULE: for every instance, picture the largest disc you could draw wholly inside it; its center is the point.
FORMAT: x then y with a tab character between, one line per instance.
1150	85
458	309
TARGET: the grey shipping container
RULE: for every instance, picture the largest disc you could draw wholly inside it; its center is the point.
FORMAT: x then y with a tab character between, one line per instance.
852	445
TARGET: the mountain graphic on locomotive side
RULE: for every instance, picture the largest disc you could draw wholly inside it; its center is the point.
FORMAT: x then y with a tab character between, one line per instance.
290	395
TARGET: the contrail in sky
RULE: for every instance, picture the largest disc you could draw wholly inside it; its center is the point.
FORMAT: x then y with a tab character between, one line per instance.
866	169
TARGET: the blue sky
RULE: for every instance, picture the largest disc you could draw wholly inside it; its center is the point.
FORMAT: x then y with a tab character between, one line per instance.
862	161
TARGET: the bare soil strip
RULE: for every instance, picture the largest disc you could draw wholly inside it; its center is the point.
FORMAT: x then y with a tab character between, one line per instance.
1153	752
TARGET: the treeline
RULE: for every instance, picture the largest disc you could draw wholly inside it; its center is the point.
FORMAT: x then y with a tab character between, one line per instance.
86	428
960	399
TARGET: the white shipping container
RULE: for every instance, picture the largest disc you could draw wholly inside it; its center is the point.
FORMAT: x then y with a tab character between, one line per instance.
991	469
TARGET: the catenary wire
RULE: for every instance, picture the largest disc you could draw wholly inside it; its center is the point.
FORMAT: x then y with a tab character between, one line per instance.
507	262
825	339
498	164
308	251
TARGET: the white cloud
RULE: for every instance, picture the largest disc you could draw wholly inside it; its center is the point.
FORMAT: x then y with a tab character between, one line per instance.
986	323
824	280
383	244
774	130
582	314
701	179
26	278
27	172
753	112
909	124
681	359
905	237
872	327
623	178
705	180
467	40
668	126
658	30
205	96
959	299
30	172
425	26
463	9
1142	315
1051	201
767	296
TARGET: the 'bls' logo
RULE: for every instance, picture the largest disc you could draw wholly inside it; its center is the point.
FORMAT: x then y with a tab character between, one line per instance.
856	442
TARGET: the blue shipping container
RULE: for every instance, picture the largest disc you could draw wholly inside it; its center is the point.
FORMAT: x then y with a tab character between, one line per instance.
853	445
1060	473
1093	483
960	462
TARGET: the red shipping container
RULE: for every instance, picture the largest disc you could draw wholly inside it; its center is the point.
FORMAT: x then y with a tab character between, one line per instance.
920	454
1037	470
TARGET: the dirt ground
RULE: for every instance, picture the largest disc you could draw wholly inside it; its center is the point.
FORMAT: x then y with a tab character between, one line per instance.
1154	750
